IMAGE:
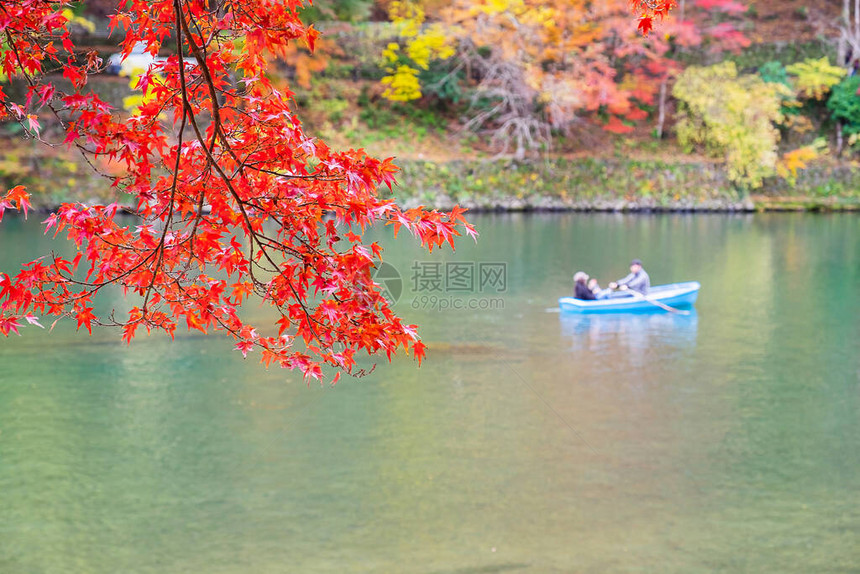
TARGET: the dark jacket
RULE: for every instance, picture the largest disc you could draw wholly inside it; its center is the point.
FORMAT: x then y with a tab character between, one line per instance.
581	291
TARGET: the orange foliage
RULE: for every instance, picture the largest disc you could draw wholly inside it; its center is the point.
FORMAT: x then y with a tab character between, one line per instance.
545	62
307	63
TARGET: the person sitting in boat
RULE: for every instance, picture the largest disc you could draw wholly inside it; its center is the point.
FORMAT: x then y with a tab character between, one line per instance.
637	280
595	288
580	288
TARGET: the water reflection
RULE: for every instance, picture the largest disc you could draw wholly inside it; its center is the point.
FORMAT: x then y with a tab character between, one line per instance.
637	333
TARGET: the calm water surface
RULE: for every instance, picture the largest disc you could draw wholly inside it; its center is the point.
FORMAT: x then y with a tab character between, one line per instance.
529	442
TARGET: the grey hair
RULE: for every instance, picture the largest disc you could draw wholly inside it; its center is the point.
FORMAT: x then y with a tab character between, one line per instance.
580	276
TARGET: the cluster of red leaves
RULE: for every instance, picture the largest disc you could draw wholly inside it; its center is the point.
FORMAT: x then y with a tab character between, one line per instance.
627	74
233	199
647	64
649	10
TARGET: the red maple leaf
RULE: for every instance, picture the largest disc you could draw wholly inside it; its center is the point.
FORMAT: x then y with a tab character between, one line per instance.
646	24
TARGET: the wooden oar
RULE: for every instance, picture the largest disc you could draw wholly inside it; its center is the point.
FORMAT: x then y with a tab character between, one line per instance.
657	303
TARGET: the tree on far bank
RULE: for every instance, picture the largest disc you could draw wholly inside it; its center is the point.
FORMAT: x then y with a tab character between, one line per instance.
536	69
732	116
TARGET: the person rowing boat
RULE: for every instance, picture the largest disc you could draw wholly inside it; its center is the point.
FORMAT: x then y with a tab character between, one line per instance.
638	279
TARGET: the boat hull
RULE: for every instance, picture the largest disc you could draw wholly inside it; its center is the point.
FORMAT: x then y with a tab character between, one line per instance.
677	295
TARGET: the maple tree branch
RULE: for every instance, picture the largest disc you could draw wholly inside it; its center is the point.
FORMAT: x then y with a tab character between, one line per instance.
247	145
251	166
167	222
204	68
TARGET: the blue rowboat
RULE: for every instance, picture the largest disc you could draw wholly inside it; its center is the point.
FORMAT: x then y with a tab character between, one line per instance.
673	295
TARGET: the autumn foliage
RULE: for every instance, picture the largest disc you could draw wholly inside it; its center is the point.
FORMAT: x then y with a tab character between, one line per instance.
233	200
649	10
535	69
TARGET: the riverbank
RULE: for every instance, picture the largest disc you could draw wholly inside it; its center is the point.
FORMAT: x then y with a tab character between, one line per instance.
616	185
556	184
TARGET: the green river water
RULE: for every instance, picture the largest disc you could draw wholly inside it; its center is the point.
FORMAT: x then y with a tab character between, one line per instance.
528	442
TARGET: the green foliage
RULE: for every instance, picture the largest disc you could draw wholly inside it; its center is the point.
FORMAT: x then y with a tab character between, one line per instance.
363	100
588	183
380	118
343	10
733	117
844	104
577	182
51	176
340	70
359	46
423	117
774	72
442	81
333	108
759	54
398	118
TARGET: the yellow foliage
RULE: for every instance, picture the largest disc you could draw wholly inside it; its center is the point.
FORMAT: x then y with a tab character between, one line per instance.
133	102
80	21
424	44
814	78
798	124
733	117
402	85
390	54
408	15
431	44
492	7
